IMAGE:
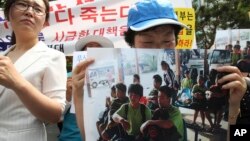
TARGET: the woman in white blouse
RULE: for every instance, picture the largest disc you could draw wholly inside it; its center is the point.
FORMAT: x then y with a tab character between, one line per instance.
32	76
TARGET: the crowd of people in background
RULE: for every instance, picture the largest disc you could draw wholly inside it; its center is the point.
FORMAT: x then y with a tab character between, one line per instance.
207	96
207	100
239	53
33	90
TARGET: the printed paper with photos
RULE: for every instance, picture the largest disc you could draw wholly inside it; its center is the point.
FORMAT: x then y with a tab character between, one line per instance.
113	65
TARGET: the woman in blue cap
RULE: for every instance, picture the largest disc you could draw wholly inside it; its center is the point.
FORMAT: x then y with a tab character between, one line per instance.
153	24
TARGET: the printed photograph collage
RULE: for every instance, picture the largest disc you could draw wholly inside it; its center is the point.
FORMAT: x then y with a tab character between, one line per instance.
200	99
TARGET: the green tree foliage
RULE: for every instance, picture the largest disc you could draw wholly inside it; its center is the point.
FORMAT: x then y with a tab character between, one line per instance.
219	14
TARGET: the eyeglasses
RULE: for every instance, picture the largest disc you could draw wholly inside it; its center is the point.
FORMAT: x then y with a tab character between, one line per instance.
22	6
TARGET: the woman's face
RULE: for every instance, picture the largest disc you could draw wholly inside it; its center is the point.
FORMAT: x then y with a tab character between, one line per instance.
27	17
160	37
164	67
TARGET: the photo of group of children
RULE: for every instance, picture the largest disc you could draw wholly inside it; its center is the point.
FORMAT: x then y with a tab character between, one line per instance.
147	73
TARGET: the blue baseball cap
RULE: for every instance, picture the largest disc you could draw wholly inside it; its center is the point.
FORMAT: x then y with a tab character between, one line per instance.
149	13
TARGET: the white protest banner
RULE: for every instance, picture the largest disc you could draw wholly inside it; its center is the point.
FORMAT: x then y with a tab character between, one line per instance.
74	19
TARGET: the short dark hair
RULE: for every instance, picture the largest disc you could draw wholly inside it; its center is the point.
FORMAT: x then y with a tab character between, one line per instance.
164	63
136	89
161	113
230	45
166	91
129	35
200	77
237	46
113	88
157	78
187	72
122	87
136	76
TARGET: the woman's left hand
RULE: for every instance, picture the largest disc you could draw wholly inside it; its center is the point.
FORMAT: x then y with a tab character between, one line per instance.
235	83
78	75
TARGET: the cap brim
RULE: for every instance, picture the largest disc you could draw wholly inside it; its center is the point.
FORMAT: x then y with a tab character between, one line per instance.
155	22
103	41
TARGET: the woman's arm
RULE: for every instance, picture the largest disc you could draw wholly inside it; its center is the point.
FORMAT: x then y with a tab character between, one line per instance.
38	103
78	78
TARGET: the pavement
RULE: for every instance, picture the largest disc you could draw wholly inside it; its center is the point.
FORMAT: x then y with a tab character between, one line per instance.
197	133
